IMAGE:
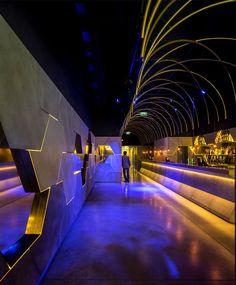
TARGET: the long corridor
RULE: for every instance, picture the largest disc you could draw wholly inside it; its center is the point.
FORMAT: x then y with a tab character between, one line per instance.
134	234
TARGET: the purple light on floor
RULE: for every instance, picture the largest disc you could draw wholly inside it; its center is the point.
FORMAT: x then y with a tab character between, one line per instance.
173	270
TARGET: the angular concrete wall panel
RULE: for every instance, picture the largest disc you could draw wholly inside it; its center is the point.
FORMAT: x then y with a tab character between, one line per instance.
65	117
37	118
110	169
69	170
22	119
23	274
50	96
47	162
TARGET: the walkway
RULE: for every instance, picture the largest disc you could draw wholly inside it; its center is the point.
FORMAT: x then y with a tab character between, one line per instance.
133	234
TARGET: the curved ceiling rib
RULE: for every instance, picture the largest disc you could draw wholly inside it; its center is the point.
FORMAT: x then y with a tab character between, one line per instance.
178	86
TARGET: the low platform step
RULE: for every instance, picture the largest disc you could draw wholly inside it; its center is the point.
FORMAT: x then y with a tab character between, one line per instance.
11	195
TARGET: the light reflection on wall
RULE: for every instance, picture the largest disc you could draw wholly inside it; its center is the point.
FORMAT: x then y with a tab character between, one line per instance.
194	253
215	273
169	223
179	234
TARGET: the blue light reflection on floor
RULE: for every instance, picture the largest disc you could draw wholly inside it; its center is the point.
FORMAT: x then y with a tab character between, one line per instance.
132	233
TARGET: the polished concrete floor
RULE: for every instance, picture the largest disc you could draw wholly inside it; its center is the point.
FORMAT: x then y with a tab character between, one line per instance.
133	234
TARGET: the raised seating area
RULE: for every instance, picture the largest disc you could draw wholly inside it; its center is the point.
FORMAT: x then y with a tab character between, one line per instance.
215	192
15	206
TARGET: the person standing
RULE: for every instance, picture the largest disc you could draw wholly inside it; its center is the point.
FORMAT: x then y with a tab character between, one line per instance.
125	166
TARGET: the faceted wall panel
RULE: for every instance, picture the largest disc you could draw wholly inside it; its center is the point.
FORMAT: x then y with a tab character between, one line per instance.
40	127
69	171
110	169
22	119
47	161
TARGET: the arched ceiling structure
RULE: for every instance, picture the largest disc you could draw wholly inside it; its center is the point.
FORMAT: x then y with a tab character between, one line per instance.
186	79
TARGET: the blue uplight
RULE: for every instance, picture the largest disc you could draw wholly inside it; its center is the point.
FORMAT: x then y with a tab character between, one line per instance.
86	36
80	9
91	67
88	54
203	92
118	100
173	270
94	85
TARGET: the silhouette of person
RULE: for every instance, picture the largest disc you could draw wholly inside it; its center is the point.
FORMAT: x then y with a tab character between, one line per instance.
125	166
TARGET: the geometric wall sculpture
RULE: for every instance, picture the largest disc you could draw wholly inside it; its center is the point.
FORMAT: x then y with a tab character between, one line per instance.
40	129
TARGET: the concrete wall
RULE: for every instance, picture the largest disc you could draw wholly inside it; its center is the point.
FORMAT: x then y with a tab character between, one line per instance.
38	120
167	147
109	170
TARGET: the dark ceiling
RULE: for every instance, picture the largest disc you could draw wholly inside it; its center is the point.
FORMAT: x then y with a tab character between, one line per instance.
91	50
86	48
187	86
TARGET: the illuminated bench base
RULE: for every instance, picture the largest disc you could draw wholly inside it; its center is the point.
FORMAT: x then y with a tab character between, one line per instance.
215	204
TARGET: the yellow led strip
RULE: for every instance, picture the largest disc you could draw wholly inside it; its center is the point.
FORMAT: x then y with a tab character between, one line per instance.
190	171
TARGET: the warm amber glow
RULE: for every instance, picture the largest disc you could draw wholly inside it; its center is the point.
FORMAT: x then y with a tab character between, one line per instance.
188	171
7	168
76	172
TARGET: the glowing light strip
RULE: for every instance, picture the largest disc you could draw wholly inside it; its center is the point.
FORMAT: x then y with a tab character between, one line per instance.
189	71
142	127
178	94
140	134
7	168
148	26
53	117
38	236
176	102
174	26
175	124
153	120
150	126
44	136
187	41
189	171
153	44
184	19
197	74
35	171
196	42
145	18
171	82
151	111
77	171
10	267
157	20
